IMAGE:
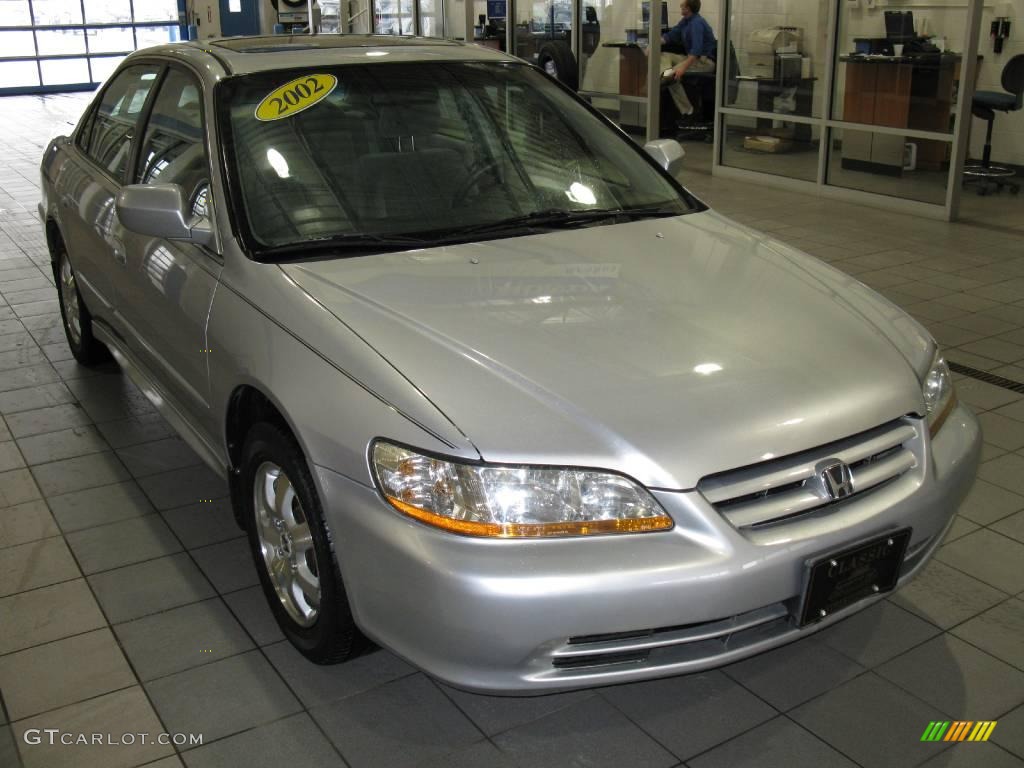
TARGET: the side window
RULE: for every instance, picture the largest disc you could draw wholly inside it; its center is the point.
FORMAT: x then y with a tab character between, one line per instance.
113	122
173	151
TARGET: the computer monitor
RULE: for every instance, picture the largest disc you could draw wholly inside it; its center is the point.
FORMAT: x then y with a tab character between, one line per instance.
899	25
646	11
497	9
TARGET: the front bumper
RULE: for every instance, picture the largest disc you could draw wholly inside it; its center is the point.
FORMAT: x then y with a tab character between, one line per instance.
497	616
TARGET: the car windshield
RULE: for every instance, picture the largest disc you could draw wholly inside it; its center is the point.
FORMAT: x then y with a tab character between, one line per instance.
389	156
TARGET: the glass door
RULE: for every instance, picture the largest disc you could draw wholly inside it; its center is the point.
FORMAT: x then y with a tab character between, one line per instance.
60	45
862	99
394	17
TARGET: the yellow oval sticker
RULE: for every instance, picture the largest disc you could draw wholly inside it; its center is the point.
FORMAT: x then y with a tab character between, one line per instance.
294	97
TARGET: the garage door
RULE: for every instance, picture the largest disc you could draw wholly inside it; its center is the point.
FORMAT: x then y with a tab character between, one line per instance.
64	45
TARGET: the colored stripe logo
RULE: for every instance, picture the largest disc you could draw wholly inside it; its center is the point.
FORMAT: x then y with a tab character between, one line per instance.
959	730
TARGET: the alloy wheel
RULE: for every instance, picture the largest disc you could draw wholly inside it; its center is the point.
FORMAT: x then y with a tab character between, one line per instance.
69	299
287	544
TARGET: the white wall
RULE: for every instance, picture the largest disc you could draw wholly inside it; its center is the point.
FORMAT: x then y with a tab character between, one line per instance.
208	13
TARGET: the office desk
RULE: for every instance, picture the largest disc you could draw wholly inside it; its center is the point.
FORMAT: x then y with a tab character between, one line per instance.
632	68
899	92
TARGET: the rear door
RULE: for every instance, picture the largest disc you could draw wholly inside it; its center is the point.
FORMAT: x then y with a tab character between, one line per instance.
166	287
89	182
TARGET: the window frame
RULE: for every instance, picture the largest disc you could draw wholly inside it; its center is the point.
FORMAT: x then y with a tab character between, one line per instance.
93	111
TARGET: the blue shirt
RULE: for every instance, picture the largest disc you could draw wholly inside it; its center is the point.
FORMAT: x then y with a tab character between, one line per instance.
695	35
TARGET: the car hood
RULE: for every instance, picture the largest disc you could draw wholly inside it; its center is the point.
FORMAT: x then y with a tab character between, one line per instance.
666	349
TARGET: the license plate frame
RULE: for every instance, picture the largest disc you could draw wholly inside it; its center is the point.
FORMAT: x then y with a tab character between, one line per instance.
841	579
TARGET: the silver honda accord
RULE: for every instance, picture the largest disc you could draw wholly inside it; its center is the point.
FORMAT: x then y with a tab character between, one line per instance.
490	387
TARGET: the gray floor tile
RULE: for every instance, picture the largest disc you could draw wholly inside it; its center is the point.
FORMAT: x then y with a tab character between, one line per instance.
121	712
591	733
1012	526
988	556
99	506
26	522
270	746
28	376
1006	471
478	755
17	487
158	456
981	393
142	428
987	503
47	613
206	523
1002	431
945	596
62	672
973	755
182	638
122	543
999	630
36	564
871	721
779	742
183	486
878	633
691	713
497	714
229	565
788	676
8	750
251	609
79	473
961	527
1009	733
317	685
223	698
150	587
49	418
65	444
957	679
10	456
397	724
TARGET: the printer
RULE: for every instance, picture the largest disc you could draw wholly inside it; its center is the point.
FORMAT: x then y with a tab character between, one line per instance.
774	53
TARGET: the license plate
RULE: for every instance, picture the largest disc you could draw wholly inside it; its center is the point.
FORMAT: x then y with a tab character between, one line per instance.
839	580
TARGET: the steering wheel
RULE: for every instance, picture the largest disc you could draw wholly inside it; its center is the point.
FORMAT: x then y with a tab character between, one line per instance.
477	173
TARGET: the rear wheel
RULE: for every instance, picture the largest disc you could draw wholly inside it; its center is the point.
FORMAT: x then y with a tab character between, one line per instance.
292	547
76	318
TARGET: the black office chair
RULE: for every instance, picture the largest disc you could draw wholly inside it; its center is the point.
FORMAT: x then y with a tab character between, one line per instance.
986	176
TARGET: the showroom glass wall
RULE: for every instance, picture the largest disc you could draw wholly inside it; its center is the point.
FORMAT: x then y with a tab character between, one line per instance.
614	59
859	98
61	45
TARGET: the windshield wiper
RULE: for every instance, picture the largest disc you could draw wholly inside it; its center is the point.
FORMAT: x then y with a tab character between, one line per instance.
351	244
554	218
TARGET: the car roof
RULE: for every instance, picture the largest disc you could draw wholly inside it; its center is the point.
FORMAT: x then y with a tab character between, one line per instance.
243	55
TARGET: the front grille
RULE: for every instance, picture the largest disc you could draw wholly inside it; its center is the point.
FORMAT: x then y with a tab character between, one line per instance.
784	489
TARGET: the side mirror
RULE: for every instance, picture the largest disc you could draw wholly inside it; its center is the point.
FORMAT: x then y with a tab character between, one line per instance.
668	153
159	210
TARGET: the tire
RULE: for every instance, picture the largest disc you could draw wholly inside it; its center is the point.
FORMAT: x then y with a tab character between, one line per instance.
75	315
556	59
292	548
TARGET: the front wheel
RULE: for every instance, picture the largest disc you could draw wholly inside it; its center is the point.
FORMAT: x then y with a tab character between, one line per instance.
292	547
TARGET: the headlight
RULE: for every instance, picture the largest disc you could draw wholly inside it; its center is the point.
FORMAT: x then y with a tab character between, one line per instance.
513	501
939	395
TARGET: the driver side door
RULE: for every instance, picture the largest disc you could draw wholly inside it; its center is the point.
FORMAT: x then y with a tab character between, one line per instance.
166	287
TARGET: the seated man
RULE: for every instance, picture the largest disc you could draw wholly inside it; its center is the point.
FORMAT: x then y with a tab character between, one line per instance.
695	37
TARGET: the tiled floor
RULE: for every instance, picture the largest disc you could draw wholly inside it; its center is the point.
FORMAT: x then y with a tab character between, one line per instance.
128	606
